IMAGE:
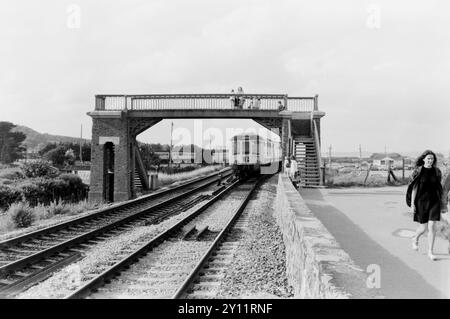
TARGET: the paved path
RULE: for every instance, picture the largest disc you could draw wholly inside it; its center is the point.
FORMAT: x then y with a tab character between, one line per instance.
373	226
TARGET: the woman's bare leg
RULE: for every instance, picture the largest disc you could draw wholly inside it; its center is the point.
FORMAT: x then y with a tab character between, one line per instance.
419	232
431	237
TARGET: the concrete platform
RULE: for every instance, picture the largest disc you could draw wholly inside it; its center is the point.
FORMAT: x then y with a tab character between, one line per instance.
374	226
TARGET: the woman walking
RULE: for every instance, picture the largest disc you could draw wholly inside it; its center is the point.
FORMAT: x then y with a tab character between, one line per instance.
424	196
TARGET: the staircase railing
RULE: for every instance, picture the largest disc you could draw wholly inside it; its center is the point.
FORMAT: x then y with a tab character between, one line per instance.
319	159
142	172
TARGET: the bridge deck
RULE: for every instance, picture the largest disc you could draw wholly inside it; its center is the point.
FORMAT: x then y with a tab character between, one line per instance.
198	114
211	102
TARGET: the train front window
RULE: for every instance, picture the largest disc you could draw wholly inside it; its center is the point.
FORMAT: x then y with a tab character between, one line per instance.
254	147
247	146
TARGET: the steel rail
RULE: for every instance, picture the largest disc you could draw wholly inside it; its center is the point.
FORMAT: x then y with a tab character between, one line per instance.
35	277
98	214
27	260
118	267
219	239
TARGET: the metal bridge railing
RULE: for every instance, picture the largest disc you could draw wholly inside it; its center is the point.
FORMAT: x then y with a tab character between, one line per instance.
204	102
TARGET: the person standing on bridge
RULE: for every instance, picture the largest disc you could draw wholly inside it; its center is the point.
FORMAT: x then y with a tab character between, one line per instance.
233	99
241	99
424	195
257	103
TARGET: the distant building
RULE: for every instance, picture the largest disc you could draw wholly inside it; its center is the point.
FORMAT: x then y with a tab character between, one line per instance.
163	155
183	158
382	161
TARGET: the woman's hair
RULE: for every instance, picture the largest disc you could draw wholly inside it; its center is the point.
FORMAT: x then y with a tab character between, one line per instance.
420	162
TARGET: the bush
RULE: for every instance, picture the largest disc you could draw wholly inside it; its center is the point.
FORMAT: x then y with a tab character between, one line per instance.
21	214
83	206
42	212
39	169
67	187
34	193
9	195
75	189
58	208
6	224
11	173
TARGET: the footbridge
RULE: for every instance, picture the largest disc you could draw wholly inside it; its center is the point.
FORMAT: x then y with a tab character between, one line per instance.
118	119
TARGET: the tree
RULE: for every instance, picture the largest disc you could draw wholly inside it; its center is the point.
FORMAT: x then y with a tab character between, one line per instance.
75	147
69	157
57	156
10	143
48	147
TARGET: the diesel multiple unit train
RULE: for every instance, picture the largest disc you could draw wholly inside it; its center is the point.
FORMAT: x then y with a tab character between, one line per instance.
252	154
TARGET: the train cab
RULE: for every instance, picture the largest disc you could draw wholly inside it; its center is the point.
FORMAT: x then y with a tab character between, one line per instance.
253	154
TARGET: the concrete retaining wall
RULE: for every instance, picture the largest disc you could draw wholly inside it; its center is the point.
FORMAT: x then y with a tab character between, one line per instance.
316	265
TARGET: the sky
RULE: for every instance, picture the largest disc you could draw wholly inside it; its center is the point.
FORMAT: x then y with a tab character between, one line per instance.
381	68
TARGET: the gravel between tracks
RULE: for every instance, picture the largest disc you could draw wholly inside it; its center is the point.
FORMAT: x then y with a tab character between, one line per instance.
259	267
70	278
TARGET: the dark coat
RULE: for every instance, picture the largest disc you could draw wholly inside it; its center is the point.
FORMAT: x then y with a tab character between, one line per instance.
413	183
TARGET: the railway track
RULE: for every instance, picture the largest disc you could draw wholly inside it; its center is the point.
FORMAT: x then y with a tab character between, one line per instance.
28	259
205	279
168	265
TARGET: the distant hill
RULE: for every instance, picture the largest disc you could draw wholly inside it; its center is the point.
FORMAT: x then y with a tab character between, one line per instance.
36	140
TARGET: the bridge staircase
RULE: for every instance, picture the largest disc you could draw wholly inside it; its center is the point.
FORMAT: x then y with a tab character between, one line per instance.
140	174
306	152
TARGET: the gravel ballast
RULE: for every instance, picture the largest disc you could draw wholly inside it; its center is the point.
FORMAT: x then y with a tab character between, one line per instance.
98	257
259	266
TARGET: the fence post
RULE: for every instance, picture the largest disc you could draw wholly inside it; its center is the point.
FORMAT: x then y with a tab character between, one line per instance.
403	168
368	172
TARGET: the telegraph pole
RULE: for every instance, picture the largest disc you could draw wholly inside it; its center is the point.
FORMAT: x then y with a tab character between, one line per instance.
388	164
170	150
81	141
329	156
360	157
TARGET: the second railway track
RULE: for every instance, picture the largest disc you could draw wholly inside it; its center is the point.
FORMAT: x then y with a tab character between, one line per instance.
28	259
